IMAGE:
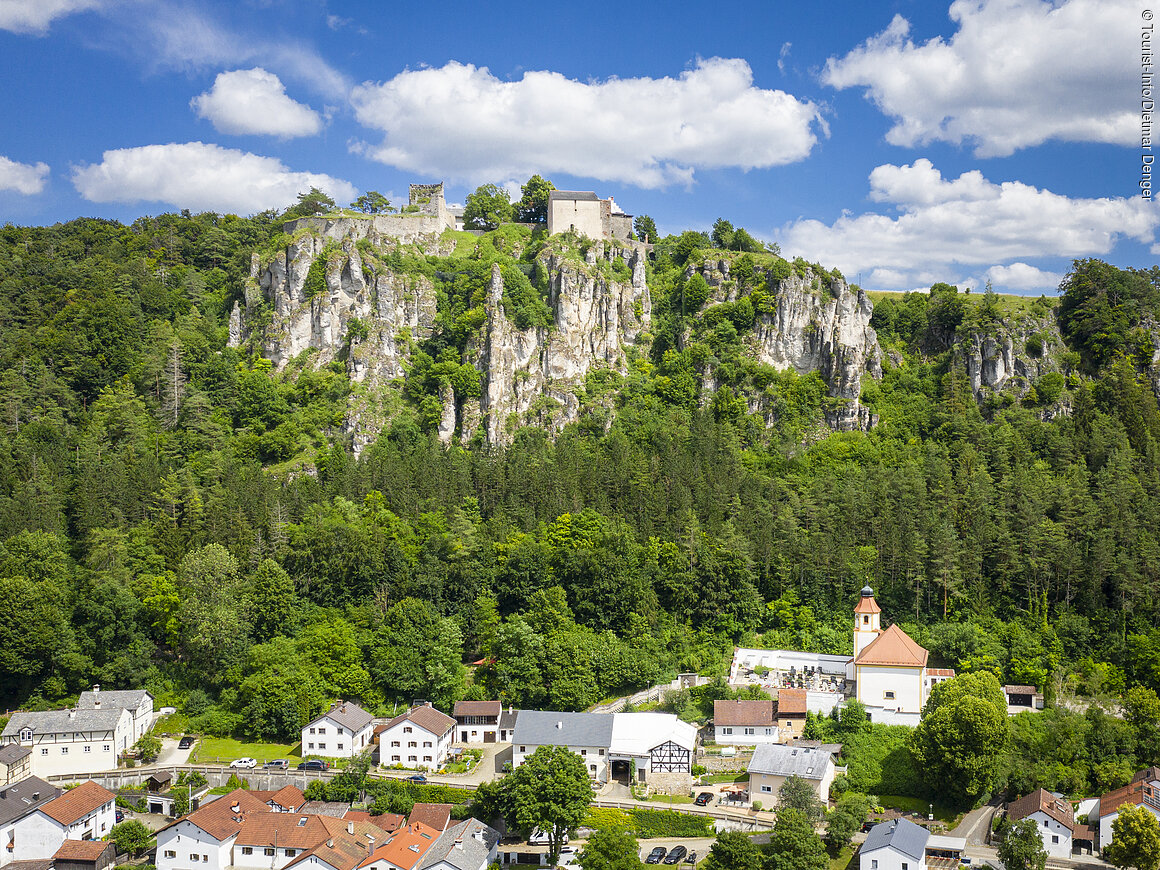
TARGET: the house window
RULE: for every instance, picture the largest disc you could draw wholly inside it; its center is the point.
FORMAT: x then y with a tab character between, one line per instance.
195	858
412	744
726	730
427	758
395	743
88	749
866	621
311	730
169	853
748	730
311	746
247	850
601	751
64	750
767	789
592	767
889	696
522	749
407	730
1054	839
340	746
321	745
26	734
874	864
268	851
205	858
108	747
321	730
290	853
427	744
583	751
904	867
1045	823
44	752
396	758
412	758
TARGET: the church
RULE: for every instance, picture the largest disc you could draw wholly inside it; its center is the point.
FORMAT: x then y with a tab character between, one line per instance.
889	668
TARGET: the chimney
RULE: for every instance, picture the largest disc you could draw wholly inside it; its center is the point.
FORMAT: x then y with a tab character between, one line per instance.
330	844
72	714
560	725
350	827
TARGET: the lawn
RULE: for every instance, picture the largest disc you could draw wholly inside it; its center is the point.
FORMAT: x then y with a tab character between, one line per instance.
844	858
668	799
714	778
223	750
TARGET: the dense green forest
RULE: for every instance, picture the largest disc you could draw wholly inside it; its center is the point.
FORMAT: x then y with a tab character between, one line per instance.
154	533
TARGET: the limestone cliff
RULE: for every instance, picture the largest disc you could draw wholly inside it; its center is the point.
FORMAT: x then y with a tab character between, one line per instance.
828	332
340	290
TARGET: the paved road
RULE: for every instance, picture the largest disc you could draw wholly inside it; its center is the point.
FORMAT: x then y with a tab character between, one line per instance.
171	755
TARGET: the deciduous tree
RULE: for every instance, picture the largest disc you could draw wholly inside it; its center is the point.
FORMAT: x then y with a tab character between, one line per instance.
550	791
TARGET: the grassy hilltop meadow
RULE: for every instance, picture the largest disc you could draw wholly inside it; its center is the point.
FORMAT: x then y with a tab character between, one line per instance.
181	512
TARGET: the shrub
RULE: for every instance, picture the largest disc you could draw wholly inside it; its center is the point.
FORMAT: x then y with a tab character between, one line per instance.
669	823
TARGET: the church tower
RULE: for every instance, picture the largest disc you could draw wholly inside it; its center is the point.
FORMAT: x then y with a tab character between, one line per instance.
866	621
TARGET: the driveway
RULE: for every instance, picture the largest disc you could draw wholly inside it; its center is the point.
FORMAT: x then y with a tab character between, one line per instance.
171	755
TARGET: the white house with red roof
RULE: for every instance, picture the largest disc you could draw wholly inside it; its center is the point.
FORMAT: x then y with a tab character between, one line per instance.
890	673
1053	817
86	812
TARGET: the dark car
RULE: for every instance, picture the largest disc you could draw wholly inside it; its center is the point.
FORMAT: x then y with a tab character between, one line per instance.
187	741
704	799
417	778
276	764
120	816
655	856
313	764
691	858
866	826
676	854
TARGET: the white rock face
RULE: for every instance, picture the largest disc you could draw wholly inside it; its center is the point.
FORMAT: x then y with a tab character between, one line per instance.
826	331
998	359
531	375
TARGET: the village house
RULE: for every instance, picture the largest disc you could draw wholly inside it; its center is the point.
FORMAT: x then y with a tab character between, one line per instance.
419	739
206	836
84	855
791	713
1142	791
1022	698
772	764
343	731
404	849
348	849
1053	817
477	721
86	812
466	845
611	745
18	800
744	723
75	741
15	763
900	844
139	703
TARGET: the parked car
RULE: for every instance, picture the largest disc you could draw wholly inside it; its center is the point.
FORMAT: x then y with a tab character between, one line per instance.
313	764
417	778
276	764
691	858
120	816
244	762
187	741
676	854
656	855
704	799
540	838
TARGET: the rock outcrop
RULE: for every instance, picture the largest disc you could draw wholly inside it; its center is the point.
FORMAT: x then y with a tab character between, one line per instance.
825	330
1009	356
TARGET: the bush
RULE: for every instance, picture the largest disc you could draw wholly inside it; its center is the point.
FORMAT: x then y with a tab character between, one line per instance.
669	823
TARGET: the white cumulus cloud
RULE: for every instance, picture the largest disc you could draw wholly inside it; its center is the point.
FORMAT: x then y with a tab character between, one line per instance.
22	177
200	177
34	16
1021	276
461	121
255	101
1015	74
937	224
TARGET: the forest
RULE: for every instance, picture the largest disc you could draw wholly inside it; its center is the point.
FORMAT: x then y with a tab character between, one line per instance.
175	514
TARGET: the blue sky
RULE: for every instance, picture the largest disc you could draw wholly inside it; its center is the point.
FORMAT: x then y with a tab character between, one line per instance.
904	142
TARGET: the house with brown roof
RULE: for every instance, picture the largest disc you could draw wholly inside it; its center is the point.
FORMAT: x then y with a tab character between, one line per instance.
477	721
206	836
83	813
1023	698
419	739
343	731
435	816
745	722
84	855
890	673
348	849
270	841
1142	791
791	713
403	849
1053	817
